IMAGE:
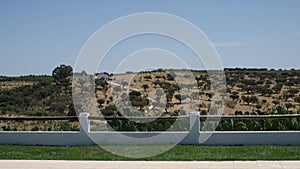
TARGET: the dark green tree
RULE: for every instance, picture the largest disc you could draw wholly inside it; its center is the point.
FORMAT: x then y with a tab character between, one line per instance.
180	97
72	111
253	99
276	102
234	96
148	77
289	105
293	92
145	87
61	73
100	102
297	99
168	105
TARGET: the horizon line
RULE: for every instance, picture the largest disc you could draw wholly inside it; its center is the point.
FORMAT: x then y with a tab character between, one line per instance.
130	71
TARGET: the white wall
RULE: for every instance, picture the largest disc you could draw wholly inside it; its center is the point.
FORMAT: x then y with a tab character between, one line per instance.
85	137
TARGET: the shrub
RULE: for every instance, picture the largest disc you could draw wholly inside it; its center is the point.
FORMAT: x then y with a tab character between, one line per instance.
65	126
35	128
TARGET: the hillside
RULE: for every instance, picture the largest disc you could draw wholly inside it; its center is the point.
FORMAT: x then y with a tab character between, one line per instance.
247	90
154	93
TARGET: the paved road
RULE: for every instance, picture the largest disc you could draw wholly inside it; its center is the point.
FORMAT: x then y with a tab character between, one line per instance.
53	164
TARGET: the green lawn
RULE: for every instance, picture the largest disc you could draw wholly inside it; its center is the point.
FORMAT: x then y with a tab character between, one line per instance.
180	152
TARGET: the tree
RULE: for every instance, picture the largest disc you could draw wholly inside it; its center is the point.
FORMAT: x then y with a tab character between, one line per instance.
100	101
61	73
277	88
269	92
234	96
169	96
72	111
140	102
209	95
289	105
145	86
253	99
157	77
287	95
58	107
148	77
293	91
170	77
297	99
101	82
134	94
61	76
198	79
180	97
276	102
168	105
110	110
258	106
246	99
137	99
264	90
250	99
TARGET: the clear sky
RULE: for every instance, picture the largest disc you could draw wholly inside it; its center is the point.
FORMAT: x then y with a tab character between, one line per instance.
36	36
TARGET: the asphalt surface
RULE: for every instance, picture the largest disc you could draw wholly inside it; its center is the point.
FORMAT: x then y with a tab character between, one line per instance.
54	164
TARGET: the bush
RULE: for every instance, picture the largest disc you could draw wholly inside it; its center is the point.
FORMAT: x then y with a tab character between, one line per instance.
231	103
109	110
35	128
65	126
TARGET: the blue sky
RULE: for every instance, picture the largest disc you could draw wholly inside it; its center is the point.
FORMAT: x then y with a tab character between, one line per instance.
36	36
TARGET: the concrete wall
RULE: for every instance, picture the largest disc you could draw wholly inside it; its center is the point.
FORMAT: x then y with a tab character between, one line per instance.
194	136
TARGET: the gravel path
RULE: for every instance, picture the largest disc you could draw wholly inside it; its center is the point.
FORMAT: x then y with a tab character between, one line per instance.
54	164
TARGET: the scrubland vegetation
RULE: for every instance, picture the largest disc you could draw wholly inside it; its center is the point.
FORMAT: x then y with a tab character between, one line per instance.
153	94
